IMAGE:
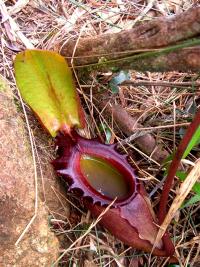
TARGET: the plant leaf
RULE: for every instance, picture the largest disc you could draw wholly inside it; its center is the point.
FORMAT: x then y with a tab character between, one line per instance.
46	85
191	201
193	142
182	176
107	132
196	188
118	79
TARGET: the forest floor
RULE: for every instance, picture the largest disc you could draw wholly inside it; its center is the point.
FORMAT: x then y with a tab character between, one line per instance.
163	110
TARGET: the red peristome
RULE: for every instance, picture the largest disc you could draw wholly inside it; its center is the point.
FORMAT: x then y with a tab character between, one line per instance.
68	165
130	219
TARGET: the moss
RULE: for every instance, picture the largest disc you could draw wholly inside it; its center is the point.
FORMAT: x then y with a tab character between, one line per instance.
3	84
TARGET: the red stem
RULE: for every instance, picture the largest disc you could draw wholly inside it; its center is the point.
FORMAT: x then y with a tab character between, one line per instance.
174	166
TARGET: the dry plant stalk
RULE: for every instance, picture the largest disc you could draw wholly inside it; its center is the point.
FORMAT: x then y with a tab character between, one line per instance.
11	27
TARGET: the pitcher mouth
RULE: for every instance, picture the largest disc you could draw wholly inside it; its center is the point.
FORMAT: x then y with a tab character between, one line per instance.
96	170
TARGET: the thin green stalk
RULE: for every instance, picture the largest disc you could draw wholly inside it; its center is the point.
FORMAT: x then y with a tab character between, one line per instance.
162	51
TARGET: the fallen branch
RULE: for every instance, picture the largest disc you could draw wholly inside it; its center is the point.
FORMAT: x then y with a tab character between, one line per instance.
173	58
127	124
145	47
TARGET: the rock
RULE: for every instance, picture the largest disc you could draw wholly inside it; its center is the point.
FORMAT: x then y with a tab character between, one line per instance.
39	246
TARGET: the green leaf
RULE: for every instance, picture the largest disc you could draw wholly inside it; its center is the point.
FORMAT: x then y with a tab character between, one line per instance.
195	140
118	79
182	175
121	77
46	85
107	132
191	201
196	188
114	88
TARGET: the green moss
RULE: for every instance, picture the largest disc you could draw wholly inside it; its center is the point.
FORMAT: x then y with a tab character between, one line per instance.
3	84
